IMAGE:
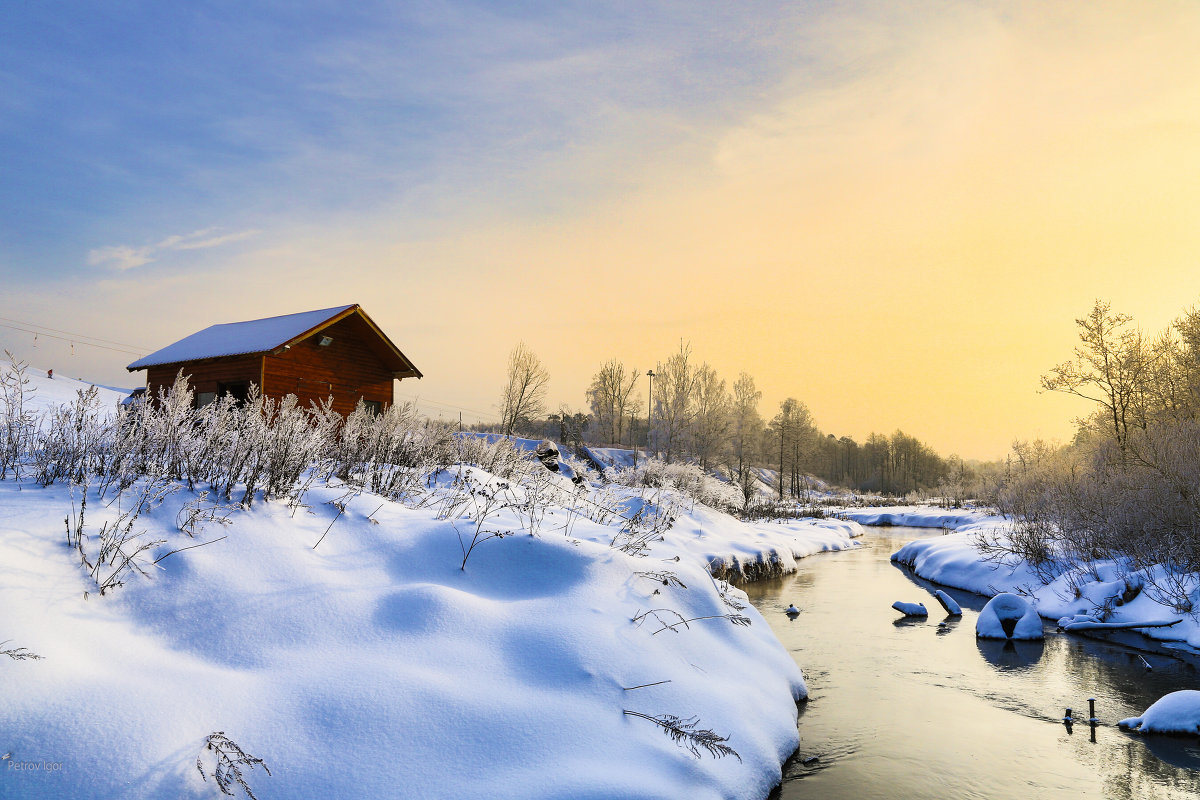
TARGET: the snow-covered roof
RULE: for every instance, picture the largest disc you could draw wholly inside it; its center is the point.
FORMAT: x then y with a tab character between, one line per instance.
240	338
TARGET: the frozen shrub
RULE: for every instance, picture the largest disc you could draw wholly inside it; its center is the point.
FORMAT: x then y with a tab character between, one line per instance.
17	425
1139	507
687	479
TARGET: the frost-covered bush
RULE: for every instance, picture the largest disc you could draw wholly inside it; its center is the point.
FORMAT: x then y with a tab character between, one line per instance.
499	457
71	442
237	451
17	424
1139	508
773	510
688	479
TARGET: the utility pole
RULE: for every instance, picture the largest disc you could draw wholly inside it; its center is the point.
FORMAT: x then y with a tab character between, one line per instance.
633	434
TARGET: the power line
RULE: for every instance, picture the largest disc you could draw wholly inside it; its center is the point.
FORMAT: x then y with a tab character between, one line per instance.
73	335
73	341
425	401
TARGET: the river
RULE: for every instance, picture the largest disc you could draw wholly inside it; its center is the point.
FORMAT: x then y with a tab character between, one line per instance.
911	709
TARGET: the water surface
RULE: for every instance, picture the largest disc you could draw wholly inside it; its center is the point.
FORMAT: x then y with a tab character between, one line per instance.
907	708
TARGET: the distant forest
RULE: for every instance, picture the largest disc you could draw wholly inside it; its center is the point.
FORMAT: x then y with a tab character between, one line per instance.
697	417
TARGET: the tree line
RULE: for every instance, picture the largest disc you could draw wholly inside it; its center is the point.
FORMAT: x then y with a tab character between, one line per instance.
689	413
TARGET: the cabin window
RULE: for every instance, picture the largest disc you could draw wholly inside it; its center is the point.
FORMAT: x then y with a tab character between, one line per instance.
202	399
374	406
239	390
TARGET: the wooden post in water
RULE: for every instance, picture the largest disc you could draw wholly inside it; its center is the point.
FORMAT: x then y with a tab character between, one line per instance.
1092	710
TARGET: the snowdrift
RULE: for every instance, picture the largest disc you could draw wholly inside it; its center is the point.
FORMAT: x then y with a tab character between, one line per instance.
373	665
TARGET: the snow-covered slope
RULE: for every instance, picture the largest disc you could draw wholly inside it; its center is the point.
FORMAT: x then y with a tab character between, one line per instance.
44	394
373	666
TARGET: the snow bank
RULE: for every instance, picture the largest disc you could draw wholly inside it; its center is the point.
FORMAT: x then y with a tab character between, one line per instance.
373	666
1177	712
920	517
736	550
1096	593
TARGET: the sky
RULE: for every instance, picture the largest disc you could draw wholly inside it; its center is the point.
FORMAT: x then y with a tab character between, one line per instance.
891	212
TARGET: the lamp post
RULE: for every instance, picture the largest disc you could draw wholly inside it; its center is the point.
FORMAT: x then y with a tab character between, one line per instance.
649	411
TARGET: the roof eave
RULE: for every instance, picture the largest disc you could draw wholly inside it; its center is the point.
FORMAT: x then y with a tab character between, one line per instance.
254	354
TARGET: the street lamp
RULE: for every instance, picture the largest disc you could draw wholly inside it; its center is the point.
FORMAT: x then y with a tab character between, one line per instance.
649	410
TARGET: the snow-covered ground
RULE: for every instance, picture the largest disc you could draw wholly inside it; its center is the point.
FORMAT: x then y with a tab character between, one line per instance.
373	664
1092	595
46	394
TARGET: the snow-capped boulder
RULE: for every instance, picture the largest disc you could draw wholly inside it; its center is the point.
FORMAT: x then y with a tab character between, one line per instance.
910	609
1177	712
948	603
1008	616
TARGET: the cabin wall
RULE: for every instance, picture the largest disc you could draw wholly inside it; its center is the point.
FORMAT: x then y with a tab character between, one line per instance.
205	376
347	369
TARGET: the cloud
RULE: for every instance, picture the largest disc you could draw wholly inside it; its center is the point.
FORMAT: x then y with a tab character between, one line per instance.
120	257
124	257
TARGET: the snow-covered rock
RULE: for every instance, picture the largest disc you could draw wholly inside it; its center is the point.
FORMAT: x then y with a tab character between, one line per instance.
1177	712
911	609
949	603
1008	616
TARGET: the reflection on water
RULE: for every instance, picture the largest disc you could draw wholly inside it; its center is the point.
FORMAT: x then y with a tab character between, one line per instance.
1007	654
903	707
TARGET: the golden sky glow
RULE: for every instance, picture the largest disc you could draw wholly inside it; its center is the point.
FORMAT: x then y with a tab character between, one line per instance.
898	229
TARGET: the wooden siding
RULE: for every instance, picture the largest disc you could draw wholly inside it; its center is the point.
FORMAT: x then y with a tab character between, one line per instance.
205	376
347	369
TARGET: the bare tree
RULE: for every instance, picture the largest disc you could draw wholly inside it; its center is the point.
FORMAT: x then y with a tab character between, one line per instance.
674	402
745	429
611	399
710	418
795	435
524	395
1108	369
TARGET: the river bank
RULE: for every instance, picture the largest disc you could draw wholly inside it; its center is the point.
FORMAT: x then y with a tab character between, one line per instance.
1100	590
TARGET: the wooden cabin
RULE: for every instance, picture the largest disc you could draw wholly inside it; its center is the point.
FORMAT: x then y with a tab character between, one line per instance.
334	352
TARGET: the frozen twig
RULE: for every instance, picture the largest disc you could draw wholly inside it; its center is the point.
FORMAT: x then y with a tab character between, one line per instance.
686	733
230	758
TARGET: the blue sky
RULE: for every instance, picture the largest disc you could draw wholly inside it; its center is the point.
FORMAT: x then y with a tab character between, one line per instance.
816	193
129	123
